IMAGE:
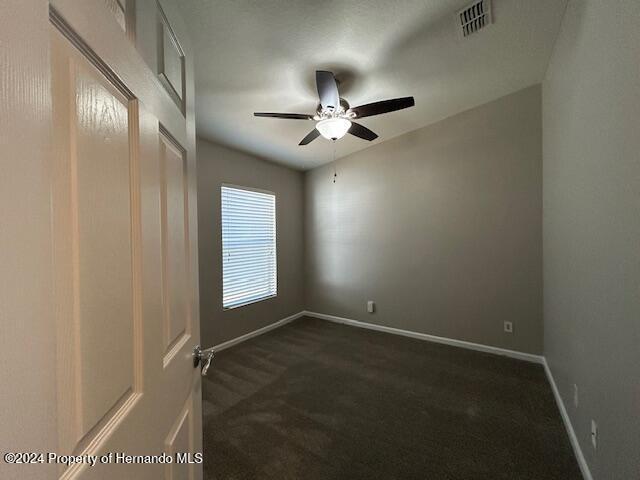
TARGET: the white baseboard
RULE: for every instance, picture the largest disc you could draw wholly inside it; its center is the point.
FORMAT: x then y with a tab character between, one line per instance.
255	333
529	357
584	467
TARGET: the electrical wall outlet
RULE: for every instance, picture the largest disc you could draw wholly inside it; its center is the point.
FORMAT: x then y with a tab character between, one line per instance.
594	434
575	395
371	306
508	327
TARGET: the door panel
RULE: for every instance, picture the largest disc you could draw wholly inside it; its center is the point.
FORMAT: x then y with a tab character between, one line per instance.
96	208
175	227
101	188
170	59
180	440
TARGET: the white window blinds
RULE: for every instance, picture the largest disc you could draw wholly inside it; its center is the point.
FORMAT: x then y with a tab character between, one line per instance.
249	271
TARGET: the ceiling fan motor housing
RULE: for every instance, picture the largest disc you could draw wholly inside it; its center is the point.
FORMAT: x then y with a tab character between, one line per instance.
330	112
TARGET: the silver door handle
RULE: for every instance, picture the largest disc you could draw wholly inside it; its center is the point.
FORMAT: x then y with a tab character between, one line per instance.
203	358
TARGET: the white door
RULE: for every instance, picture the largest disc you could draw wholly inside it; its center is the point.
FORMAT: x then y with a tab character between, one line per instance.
123	245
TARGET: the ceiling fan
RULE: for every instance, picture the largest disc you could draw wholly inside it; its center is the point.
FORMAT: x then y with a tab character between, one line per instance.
335	117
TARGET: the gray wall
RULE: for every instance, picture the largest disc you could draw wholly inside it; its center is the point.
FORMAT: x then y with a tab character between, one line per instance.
591	119
218	165
441	227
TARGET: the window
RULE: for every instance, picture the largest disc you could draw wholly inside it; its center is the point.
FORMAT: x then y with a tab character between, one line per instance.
249	272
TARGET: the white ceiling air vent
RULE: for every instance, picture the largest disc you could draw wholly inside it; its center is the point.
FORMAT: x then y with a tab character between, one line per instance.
474	17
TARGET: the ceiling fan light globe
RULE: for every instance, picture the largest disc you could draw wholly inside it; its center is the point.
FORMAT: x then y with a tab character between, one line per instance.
333	128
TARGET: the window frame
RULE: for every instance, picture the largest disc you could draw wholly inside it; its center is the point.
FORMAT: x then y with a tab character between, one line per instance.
275	255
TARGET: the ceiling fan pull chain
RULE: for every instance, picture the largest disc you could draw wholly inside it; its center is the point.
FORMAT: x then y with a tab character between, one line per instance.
335	173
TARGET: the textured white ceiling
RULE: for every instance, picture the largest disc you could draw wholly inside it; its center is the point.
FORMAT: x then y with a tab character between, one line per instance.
261	55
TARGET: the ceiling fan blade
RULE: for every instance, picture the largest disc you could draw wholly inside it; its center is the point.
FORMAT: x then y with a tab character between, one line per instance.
290	116
362	131
327	89
385	106
313	134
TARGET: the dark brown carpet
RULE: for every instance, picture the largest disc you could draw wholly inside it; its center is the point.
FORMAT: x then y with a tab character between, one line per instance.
317	400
